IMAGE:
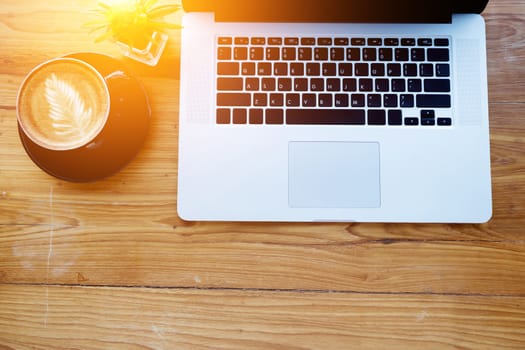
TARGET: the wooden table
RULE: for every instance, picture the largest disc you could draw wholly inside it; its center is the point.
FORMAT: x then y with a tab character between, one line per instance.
109	265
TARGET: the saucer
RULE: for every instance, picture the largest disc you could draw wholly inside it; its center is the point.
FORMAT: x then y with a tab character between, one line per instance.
120	140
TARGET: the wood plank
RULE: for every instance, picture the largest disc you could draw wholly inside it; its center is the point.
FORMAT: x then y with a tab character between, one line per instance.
197	256
102	318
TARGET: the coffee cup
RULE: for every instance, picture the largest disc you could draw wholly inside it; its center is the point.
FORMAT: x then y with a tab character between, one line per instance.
82	117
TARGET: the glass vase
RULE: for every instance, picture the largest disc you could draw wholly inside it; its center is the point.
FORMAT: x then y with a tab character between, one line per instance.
151	52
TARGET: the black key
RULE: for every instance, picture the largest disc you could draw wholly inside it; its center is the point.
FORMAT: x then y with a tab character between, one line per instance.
233	99
229	84
293	100
240	53
437	85
426	70
325	116
385	54
438	55
321	54
284	84
424	42
382	85
401	54
308	41
276	100
374	41
280	68
410	70
268	84
376	117
324	41
349	84
242	41
441	42
341	100
428	117
248	68
444	121
395	117
223	116
433	101
313	69
289	53
358	100
309	100
345	69
224	40
369	54
239	116
337	54
406	101
443	70
224	53
408	42
325	100
341	41
296	69
358	41
256	116
300	84
390	100
329	69
411	121
417	55
428	122
366	84
361	69
291	41
273	53
256	53
264	68
353	54
260	100
414	85
333	85
305	53
228	68
252	84
393	69
373	100
391	42
258	41
275	41
274	116
316	84
398	85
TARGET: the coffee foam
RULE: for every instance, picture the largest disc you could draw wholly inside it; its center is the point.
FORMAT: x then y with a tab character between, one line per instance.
63	104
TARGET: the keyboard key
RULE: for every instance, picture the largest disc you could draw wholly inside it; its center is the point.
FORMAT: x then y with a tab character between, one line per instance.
395	117
414	85
391	42
242	41
325	100
276	100
442	70
376	117
260	100
224	40
401	54
264	68
433	101
341	41
358	41
374	41
273	54
300	84
410	70
240	53
313	69
366	84
248	68
224	53
441	42
408	42
361	69
357	100
223	116
349	84
437	85
333	84
324	41
280	68
353	54
329	69
438	55
411	121
293	100
252	84
229	84
258	41
309	100
393	69
398	85
228	68
444	121
316	84
373	100
382	85
424	42
296	69
256	53
369	54
239	116
406	101
321	54
385	54
256	116
308	41
345	69
305	53
428	117
291	41
284	84
275	41
426	70
428	122
268	84
289	53
341	100
417	55
337	54
390	100
233	99
274	116
325	116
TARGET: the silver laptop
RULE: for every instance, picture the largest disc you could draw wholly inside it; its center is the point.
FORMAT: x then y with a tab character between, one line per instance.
334	110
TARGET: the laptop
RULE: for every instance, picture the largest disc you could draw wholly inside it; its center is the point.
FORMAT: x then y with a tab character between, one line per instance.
334	111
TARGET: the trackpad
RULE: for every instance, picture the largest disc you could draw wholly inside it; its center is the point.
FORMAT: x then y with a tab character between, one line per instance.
334	175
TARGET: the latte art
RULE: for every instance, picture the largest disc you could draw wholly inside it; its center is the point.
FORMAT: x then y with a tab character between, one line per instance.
63	104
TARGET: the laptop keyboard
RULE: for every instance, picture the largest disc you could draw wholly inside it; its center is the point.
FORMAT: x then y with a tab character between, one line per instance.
334	81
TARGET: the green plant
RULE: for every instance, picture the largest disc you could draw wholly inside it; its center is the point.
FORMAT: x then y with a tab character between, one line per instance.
131	21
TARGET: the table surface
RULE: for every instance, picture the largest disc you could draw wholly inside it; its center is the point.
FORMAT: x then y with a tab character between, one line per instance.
109	265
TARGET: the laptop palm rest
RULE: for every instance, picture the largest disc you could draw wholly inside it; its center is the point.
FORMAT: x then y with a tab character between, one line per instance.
334	175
